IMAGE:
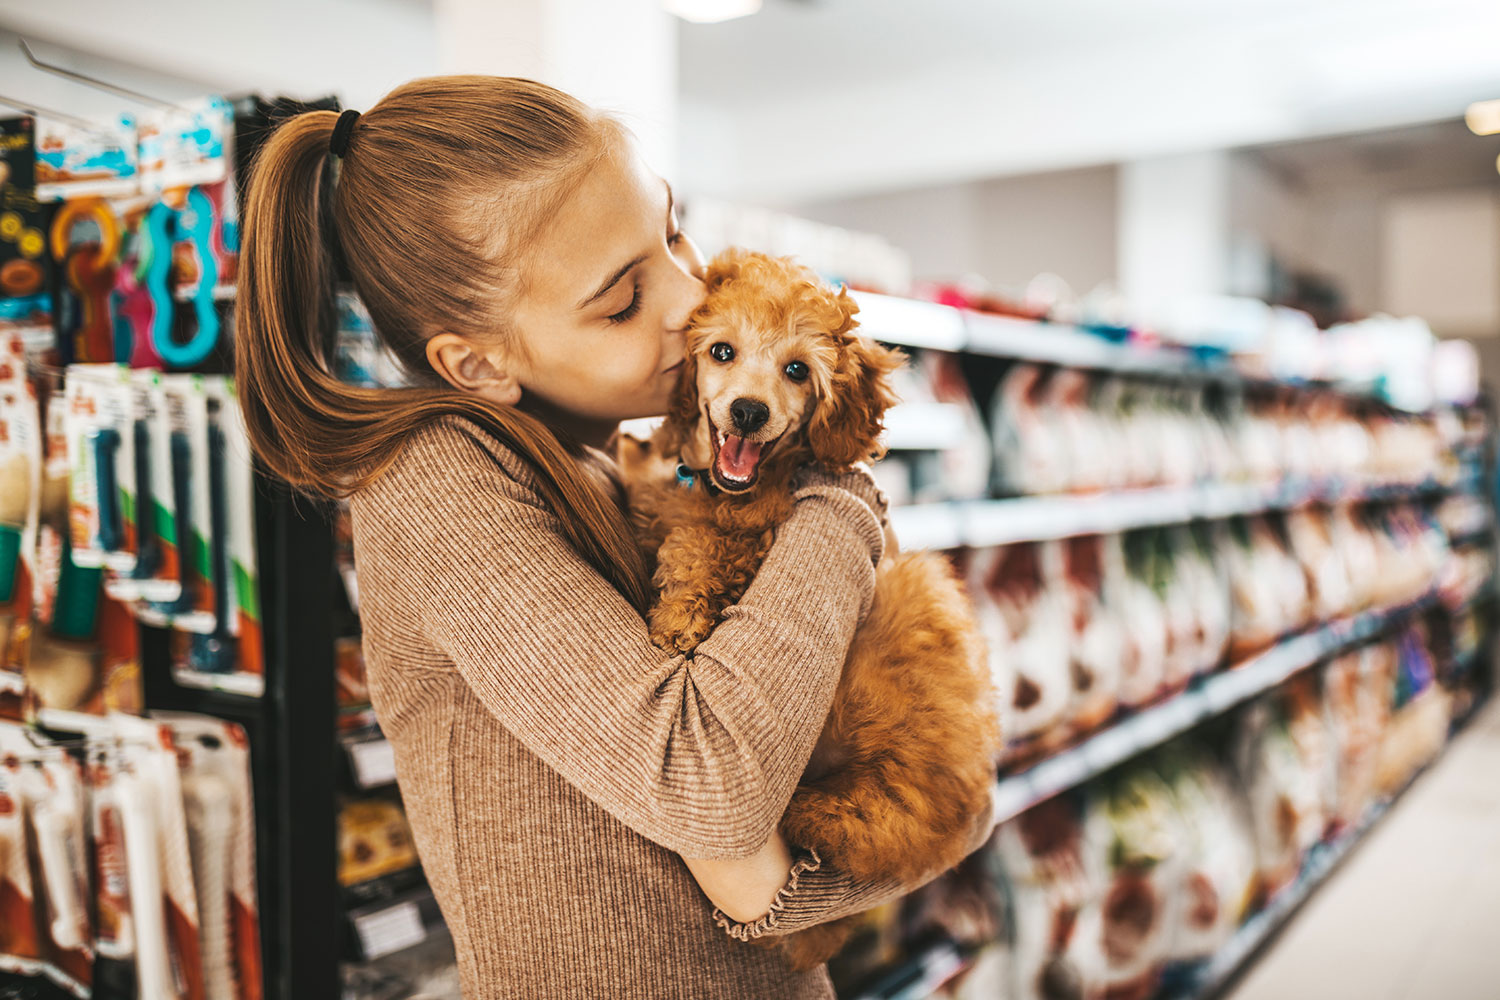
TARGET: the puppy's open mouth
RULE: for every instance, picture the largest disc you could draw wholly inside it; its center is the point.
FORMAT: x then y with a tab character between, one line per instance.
736	461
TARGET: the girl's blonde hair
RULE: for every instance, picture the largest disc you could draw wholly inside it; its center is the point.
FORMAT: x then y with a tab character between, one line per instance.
443	182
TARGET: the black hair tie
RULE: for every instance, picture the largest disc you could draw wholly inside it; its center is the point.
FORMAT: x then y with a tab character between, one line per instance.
338	144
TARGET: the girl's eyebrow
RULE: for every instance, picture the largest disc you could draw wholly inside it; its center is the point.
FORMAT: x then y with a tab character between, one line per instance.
615	278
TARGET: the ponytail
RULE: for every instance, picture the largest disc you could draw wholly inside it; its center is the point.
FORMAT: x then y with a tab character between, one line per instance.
329	437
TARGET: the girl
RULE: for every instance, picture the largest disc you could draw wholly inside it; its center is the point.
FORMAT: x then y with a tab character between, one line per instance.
574	791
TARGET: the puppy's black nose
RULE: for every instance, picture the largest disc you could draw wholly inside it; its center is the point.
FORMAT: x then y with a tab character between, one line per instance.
749	414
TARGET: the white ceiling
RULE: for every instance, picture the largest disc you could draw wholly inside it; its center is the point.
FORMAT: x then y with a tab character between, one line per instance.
812	98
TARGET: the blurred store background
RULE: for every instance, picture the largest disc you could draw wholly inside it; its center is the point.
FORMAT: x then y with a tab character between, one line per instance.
1203	306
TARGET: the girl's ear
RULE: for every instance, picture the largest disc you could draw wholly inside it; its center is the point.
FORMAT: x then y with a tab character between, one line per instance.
845	427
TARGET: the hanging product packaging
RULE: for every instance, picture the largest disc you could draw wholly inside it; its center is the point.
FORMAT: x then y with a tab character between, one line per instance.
25	265
186	144
242	608
221	830
100	455
164	899
73	162
20	937
165	583
185	403
114	925
20	478
49	797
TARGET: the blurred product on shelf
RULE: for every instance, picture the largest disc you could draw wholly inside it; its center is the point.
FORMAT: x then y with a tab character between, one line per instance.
169	897
374	840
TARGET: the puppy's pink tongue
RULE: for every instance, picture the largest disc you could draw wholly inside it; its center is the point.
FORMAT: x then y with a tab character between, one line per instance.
738	457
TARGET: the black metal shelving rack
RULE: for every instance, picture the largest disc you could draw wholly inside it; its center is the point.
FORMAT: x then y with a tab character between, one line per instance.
293	745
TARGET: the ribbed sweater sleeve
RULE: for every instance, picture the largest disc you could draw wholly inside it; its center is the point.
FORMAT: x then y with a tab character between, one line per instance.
700	754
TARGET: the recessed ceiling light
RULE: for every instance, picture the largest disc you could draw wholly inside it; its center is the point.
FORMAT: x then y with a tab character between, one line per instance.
1483	117
711	11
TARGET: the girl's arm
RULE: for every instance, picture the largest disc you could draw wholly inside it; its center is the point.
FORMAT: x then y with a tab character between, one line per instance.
698	753
744	888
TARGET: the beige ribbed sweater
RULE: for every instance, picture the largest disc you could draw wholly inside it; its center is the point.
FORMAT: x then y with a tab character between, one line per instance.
555	764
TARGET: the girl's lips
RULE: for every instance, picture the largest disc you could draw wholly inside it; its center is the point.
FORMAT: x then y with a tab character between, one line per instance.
674	367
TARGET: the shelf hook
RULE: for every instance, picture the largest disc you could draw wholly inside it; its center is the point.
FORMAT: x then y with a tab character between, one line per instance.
93	81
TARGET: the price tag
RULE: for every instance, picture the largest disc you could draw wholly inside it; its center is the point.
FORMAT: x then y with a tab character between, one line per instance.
374	763
390	929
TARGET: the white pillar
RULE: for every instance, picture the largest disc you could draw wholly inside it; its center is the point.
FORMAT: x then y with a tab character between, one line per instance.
618	55
1174	230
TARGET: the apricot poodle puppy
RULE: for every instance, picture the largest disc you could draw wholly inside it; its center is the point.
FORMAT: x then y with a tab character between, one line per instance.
776	378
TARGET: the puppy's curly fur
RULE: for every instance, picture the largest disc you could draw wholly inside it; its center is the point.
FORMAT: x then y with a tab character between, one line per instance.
906	759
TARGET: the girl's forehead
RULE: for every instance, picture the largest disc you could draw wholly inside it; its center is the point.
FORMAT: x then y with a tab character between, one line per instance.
606	218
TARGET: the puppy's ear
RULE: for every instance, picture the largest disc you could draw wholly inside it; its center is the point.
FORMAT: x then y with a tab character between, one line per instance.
846	425
680	431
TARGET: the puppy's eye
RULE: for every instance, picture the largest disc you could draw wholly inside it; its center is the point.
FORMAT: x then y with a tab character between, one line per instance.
796	371
721	352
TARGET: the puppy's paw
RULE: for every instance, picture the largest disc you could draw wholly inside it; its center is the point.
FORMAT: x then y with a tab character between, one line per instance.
678	631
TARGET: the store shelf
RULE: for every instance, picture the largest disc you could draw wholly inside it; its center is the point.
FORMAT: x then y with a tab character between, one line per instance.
83	723
920	976
1210	696
392	926
982	523
248	685
911	323
932	426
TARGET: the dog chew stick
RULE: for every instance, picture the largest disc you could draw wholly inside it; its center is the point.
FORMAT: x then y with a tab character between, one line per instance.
152	965
53	834
210	825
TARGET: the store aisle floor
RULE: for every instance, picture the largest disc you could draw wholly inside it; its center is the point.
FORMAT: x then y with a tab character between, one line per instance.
1412	914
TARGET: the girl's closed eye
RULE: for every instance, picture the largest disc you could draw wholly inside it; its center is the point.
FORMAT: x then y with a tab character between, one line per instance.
628	313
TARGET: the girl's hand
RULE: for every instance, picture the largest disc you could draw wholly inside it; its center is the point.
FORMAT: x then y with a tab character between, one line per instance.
743	888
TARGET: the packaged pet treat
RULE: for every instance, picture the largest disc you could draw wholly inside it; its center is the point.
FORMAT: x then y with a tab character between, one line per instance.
1095	649
186	403
1150	554
20	485
242	575
374	840
164	897
960	471
1030	454
20	936
47	798
1135	605
100	455
1053	885
1132	828
1327	577
215	773
1216	869
74	163
1283	794
1023	620
1204	577
164	585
